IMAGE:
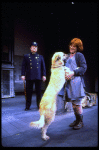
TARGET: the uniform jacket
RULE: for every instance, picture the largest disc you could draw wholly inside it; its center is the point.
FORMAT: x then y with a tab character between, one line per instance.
81	63
33	66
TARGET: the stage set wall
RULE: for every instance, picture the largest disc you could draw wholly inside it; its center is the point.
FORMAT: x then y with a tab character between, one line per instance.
20	45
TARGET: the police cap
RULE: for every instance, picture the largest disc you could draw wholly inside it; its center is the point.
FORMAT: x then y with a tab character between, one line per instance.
34	44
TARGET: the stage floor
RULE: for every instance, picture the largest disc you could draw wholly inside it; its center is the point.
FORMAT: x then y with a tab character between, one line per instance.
15	130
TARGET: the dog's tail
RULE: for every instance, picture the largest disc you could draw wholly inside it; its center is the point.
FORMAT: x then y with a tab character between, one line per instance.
38	124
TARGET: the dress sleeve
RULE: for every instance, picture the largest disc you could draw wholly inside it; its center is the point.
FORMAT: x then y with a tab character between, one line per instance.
82	66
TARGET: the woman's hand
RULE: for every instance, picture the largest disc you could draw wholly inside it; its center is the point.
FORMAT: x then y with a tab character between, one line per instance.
69	75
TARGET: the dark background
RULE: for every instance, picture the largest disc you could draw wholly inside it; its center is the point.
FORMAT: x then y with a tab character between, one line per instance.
53	25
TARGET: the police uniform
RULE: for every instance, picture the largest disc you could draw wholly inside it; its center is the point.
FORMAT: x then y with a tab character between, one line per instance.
33	68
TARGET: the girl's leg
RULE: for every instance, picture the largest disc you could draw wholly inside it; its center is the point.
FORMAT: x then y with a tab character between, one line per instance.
78	123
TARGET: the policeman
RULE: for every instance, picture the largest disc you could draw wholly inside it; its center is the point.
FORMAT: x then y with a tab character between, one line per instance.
33	71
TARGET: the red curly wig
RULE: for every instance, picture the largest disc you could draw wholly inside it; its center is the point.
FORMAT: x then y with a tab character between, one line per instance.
76	42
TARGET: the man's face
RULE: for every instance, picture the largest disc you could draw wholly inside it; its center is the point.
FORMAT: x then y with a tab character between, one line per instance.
33	49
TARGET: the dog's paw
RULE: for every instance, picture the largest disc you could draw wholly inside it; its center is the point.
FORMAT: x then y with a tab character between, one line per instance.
31	124
34	125
45	138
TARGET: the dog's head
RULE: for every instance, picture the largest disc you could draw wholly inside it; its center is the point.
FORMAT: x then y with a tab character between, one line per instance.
58	59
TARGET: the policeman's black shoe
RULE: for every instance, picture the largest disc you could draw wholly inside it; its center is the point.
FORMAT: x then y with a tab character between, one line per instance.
26	109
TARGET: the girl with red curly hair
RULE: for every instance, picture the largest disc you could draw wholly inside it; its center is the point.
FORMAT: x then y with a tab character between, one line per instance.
75	84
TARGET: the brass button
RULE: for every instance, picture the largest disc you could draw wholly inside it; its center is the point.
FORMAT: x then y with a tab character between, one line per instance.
31	67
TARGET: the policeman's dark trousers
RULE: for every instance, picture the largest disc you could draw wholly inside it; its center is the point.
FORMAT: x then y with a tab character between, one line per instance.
29	90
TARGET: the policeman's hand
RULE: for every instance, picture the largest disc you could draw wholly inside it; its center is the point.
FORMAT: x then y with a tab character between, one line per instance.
23	78
44	78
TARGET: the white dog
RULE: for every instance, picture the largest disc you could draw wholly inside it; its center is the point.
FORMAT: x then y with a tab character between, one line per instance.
48	102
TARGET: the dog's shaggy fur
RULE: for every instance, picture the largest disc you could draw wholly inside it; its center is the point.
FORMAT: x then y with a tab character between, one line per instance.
48	102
